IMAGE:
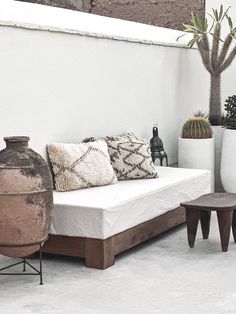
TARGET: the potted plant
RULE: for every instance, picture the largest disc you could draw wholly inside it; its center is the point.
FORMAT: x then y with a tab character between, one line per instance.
228	165
217	55
196	145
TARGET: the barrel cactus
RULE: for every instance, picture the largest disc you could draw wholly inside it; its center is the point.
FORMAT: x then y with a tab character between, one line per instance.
197	127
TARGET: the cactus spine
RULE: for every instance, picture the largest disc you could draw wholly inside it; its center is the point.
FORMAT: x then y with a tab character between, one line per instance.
197	127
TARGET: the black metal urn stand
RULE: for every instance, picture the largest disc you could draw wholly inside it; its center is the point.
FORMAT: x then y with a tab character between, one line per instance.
37	272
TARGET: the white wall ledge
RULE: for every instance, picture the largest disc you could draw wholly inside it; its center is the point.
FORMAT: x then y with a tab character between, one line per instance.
39	17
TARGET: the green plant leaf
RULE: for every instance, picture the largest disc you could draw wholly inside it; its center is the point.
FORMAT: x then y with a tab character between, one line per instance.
191	28
211	28
180	37
198	23
193	20
229	22
233	32
216	15
195	23
221	12
211	16
225	14
198	26
206	25
230	108
188	26
192	42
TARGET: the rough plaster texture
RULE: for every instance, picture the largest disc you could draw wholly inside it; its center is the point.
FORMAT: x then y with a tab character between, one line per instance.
80	5
165	13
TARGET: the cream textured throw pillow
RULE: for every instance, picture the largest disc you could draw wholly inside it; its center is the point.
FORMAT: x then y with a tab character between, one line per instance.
77	166
131	157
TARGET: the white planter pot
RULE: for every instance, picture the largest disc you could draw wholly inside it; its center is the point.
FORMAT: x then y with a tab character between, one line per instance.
197	154
218	135
228	161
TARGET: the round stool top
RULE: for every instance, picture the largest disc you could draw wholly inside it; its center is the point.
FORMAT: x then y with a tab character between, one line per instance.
213	201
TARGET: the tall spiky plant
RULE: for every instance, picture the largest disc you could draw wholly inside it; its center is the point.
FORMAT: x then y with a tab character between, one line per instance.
216	55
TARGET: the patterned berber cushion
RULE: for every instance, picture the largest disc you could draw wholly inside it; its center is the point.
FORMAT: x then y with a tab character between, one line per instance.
131	157
84	165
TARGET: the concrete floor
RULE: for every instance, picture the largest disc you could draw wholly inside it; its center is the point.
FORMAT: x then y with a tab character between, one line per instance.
163	276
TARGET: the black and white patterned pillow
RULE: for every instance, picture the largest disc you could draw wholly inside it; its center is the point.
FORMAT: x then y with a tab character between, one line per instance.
130	157
83	165
127	136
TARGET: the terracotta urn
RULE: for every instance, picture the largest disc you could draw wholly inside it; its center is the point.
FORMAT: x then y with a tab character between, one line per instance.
26	199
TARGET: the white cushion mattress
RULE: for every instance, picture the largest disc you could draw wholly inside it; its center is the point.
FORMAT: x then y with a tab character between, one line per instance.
101	212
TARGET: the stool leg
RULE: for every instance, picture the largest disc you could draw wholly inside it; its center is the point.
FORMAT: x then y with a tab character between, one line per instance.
225	223
205	218
234	225
192	218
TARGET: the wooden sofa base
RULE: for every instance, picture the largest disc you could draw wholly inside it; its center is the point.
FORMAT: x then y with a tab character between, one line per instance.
100	254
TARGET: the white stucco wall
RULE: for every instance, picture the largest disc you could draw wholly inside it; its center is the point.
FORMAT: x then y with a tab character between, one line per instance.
59	86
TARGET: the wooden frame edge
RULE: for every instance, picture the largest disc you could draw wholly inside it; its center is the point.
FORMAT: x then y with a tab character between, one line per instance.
100	254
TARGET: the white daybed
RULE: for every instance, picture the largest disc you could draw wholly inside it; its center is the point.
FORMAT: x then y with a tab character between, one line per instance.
101	222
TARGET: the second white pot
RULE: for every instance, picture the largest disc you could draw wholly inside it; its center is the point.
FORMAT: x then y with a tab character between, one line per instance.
228	161
197	154
218	136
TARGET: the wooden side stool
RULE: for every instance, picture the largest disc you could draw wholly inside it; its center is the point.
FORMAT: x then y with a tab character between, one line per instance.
200	209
